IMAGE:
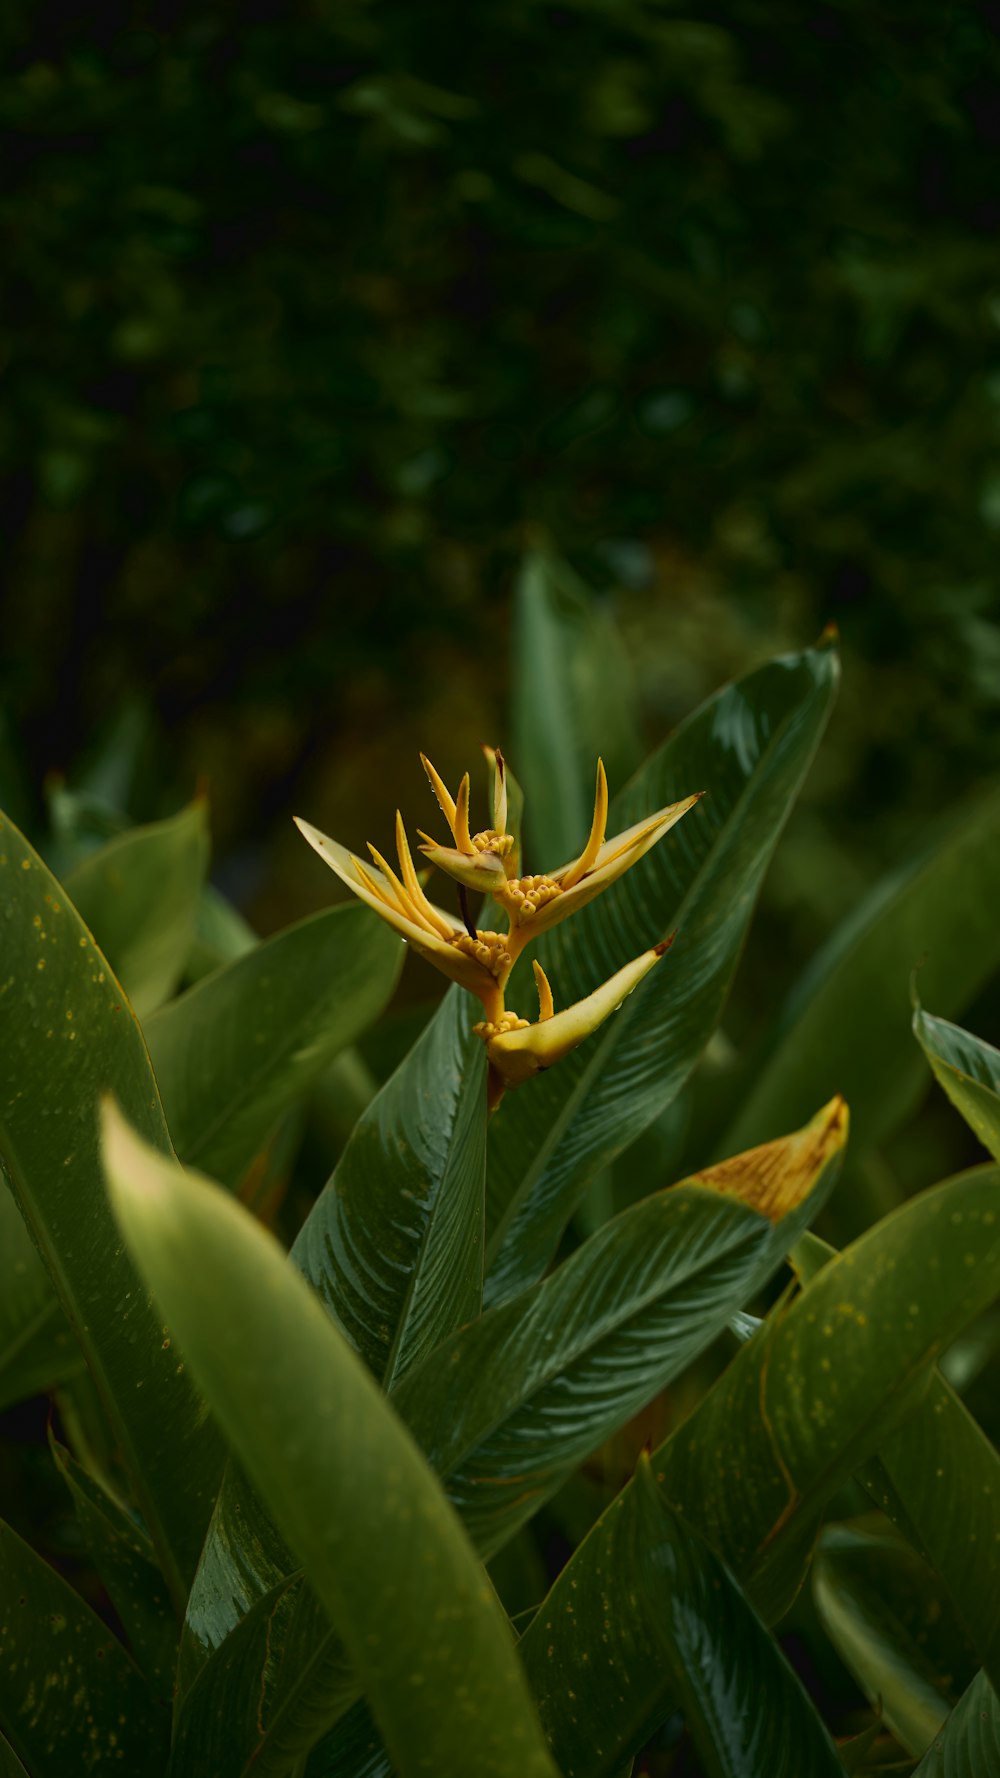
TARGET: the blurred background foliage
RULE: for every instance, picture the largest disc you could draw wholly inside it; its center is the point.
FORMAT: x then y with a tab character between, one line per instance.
315	315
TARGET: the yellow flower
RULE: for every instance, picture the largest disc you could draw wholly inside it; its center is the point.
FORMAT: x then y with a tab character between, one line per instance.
481	960
488	860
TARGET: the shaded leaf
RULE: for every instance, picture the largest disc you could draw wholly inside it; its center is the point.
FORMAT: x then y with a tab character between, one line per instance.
846	1028
66	1034
139	895
37	1347
802	1404
348	1489
750	747
969	1744
745	1709
70	1698
234	1051
124	1558
969	1071
572	703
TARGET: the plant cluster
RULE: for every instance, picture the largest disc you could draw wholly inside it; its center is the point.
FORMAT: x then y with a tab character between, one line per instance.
307	1475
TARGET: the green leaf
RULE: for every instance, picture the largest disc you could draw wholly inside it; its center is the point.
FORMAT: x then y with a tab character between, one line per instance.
66	1034
70	1699
800	1407
37	1348
234	1051
139	895
394	1248
572	703
347	1487
938	1478
969	1071
846	1028
394	1244
508	1407
969	1744
750	747
220	935
125	1560
745	1709
860	1582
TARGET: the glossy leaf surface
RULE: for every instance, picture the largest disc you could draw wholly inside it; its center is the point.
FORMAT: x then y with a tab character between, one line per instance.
139	895
233	1052
67	1034
70	1699
394	1244
745	1709
846	1028
969	1071
508	1406
346	1485
799	1408
572	703
969	1744
749	747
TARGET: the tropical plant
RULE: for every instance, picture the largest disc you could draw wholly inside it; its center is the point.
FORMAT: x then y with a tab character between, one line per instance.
311	1480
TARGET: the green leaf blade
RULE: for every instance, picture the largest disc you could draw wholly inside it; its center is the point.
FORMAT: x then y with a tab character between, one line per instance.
969	1071
750	746
139	895
236	1049
347	1487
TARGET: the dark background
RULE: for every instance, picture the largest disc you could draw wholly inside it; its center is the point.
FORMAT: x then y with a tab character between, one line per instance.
314	315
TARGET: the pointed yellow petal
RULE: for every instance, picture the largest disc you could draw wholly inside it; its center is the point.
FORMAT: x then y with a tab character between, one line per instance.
517	1055
499	793
546	1004
463	838
588	857
446	801
481	871
614	858
414	887
403	901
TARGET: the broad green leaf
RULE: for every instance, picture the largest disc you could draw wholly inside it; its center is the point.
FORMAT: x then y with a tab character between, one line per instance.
234	1051
124	1558
67	1034
266	1695
749	747
348	1489
745	1709
969	1071
572	703
37	1347
394	1244
139	895
969	1744
937	1477
846	1028
394	1247
70	1699
507	1407
859	1585
220	935
10	1765
800	1407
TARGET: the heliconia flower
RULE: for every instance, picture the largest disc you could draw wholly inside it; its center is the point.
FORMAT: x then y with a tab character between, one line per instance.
481	960
517	1049
474	962
482	861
